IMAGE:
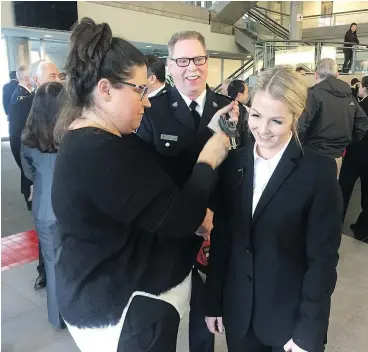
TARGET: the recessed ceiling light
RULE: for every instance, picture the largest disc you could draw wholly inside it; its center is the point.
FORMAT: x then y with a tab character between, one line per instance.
48	36
248	57
148	46
215	53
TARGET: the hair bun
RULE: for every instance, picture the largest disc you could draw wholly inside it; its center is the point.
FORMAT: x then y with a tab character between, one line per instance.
92	39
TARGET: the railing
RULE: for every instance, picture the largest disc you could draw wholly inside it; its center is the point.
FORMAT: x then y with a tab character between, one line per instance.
336	19
273	26
295	53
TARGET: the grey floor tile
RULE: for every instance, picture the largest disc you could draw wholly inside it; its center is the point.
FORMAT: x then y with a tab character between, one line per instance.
22	273
30	332
13	304
63	345
353	336
26	289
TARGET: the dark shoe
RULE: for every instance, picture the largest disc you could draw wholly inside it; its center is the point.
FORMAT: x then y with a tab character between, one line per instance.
40	282
62	323
357	233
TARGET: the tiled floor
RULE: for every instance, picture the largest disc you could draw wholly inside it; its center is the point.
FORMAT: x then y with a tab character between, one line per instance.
19	249
25	327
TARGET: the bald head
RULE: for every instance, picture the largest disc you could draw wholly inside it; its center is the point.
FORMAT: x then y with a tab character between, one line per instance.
43	72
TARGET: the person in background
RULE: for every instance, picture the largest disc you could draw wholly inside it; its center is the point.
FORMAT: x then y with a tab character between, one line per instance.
350	39
41	72
156	76
8	90
128	239
238	90
24	88
224	86
332	118
38	154
300	70
274	245
355	87
22	91
355	166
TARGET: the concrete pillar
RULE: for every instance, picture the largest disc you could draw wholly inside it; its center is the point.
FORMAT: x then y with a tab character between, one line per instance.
296	23
18	52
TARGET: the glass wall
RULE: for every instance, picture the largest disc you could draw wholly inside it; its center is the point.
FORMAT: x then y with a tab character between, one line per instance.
4	78
214	71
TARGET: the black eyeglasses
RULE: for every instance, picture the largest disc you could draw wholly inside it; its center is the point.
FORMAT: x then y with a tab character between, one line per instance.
143	89
185	61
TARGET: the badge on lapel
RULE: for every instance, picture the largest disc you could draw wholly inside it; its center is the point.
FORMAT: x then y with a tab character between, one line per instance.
175	105
215	105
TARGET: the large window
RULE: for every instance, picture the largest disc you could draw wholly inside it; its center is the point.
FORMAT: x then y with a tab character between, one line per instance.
4	78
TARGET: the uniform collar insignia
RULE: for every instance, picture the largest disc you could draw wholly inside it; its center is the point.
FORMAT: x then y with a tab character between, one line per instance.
214	104
175	105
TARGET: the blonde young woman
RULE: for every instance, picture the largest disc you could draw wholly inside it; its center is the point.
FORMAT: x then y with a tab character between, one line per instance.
274	247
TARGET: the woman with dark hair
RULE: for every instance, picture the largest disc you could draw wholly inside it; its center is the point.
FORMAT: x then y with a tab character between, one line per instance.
128	240
351	36
38	155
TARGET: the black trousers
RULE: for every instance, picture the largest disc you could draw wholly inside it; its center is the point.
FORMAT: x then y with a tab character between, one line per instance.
355	166
200	338
249	343
348	59
140	336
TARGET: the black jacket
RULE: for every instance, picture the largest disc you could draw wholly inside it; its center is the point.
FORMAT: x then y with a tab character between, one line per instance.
332	118
8	90
18	114
125	226
168	126
277	268
350	37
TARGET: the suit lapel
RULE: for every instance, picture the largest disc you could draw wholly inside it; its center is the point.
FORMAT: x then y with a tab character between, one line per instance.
210	108
180	109
247	189
281	173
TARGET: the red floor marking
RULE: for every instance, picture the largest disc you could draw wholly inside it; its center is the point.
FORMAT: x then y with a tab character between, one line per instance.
19	249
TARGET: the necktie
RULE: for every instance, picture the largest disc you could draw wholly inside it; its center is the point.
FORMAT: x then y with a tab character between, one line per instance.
195	114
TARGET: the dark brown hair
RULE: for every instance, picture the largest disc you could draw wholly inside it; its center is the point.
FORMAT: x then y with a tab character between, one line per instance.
39	128
94	54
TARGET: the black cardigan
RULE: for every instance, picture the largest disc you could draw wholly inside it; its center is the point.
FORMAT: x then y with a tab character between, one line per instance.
125	226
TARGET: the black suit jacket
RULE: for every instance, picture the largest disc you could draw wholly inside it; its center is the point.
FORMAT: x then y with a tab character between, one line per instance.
169	126
277	269
8	90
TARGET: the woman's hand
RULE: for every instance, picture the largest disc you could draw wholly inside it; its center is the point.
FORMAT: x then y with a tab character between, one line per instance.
215	325
232	109
215	150
293	347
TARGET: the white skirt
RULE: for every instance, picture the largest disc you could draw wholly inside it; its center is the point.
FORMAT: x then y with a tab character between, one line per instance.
106	338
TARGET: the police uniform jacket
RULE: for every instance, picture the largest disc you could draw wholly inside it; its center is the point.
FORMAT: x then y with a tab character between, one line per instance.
8	91
168	125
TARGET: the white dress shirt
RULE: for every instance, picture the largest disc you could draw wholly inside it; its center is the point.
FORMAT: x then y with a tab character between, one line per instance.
201	100
152	94
263	170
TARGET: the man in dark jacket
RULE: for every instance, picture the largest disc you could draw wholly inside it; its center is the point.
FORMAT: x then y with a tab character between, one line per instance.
8	90
332	118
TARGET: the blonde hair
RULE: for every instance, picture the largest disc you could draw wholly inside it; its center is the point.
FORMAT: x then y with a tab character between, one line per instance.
287	86
176	37
326	68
